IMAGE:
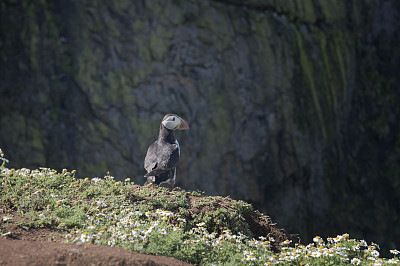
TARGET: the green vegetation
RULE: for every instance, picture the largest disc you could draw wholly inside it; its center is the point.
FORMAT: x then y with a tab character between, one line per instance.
185	225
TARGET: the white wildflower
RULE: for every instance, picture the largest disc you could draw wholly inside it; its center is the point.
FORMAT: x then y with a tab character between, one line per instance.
316	239
394	251
363	243
375	253
7	218
338	238
6	234
162	231
85	237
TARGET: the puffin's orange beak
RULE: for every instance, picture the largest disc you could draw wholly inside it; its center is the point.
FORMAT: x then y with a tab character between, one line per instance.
183	125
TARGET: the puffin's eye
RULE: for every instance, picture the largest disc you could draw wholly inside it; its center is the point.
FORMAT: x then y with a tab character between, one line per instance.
173	118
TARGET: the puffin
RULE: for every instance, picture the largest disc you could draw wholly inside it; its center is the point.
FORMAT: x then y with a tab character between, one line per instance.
163	155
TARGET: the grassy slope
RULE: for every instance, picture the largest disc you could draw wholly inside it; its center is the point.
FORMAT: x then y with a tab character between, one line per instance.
186	225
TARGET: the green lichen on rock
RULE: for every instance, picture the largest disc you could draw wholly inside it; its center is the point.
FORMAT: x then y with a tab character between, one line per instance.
308	71
159	44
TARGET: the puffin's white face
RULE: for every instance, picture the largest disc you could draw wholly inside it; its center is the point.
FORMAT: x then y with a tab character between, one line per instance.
173	122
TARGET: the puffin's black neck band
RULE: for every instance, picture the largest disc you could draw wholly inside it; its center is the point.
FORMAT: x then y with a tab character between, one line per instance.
166	134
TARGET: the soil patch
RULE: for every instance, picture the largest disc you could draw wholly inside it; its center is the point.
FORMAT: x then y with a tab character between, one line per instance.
23	252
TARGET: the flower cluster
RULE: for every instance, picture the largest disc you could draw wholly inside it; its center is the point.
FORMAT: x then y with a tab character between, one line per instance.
135	229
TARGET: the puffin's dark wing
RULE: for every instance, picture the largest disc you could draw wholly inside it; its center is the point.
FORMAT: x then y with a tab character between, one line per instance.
151	159
161	158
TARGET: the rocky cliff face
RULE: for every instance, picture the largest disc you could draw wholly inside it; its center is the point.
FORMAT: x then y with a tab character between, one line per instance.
292	105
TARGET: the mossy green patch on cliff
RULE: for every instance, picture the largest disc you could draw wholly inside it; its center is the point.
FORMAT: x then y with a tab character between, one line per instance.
221	119
159	44
214	27
143	50
103	129
333	48
140	73
147	131
37	140
31	34
88	58
324	73
342	56
311	11
33	47
138	25
217	133
332	11
308	71
172	12
113	29
328	81
119	84
263	54
307	11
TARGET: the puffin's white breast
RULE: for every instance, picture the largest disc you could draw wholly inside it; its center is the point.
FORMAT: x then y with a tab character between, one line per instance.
179	148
